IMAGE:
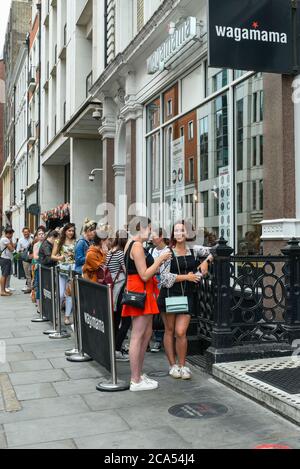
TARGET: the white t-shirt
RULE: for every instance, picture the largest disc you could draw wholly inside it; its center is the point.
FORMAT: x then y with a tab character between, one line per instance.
24	244
6	254
155	253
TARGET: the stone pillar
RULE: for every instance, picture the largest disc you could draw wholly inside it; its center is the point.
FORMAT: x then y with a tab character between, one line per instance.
279	164
108	131
120	196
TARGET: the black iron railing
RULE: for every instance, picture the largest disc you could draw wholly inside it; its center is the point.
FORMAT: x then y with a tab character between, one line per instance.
250	300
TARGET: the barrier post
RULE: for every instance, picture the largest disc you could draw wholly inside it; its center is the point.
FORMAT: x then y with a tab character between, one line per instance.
52	331
80	356
75	350
59	333
115	385
42	318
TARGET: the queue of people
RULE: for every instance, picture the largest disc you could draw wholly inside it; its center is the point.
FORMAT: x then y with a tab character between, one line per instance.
148	284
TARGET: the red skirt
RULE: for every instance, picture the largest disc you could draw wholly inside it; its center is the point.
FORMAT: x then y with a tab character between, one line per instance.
135	284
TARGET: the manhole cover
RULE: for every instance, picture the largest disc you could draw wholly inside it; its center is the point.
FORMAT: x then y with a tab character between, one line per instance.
158	374
203	410
287	380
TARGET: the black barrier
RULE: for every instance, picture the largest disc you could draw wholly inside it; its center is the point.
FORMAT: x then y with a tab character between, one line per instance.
47	294
96	329
58	333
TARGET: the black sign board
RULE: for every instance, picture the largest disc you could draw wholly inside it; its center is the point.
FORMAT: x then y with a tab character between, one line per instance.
94	311
47	293
253	35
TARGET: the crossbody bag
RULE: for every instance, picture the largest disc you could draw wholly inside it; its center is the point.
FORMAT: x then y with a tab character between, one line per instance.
177	304
134	299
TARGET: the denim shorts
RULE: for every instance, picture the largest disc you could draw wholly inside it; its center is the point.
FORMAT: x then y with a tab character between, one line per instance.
6	267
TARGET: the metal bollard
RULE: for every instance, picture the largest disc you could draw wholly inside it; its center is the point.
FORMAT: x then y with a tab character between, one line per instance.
42	318
115	385
80	356
75	350
59	333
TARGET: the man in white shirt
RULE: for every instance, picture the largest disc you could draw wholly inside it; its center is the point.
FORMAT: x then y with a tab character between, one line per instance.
7	248
22	248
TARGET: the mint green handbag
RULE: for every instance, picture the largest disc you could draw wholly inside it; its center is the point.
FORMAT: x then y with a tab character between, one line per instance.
177	304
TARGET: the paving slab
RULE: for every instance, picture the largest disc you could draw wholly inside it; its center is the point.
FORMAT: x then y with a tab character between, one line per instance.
83	373
65	444
40	354
38	377
31	365
75	387
46	408
161	437
28	392
62	428
19	357
3	442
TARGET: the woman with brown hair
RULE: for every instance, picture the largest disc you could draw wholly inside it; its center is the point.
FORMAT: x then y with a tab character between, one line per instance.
178	279
96	255
64	253
141	283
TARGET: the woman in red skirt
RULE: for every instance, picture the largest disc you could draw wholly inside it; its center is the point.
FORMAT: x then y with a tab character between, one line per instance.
141	271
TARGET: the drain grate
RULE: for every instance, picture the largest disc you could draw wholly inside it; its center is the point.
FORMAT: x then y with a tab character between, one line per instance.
287	379
197	360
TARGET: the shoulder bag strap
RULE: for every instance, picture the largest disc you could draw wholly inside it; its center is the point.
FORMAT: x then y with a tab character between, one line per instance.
179	272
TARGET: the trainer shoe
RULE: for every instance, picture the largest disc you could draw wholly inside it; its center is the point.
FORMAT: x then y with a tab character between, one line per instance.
143	386
122	356
155	347
185	373
147	379
175	372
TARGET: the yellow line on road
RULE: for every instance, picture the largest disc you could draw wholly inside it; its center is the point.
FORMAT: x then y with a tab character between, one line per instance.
10	400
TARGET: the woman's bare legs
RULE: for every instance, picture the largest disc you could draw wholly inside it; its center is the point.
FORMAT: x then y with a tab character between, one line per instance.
169	337
181	327
139	337
145	343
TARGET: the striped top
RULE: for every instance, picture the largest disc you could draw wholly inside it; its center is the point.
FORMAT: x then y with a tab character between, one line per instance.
114	261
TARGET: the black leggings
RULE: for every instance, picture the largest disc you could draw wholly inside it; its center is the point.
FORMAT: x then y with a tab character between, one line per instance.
121	332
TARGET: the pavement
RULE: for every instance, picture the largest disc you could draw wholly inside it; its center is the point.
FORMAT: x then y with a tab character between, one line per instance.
49	403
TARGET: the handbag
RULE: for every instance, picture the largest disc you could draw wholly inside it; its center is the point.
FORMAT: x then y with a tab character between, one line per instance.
177	304
134	299
104	276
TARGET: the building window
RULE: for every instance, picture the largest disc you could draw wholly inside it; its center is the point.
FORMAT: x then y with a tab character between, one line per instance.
204	201
153	115
182	132
191	170
204	149
240	198
221	131
169	108
220	80
254	151
254	108
254	196
261	149
191	130
240	133
261	106
261	195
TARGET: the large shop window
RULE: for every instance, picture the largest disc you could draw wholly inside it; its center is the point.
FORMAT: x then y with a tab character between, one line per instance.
206	165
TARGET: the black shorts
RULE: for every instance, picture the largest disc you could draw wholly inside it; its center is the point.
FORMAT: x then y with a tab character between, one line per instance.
6	267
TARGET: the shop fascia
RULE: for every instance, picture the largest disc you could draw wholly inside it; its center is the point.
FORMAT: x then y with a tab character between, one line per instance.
180	34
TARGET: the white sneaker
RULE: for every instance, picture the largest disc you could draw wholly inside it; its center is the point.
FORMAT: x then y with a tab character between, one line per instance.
185	373
175	372
147	379
122	356
143	386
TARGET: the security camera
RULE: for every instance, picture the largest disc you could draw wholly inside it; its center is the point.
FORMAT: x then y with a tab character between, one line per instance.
97	114
91	177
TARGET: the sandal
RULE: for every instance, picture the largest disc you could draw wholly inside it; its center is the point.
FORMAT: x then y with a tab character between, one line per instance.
5	294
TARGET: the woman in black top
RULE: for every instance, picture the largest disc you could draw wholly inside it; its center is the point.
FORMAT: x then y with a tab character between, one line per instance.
178	278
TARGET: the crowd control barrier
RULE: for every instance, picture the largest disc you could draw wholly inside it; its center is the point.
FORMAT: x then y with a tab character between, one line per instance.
96	329
76	352
58	333
47	295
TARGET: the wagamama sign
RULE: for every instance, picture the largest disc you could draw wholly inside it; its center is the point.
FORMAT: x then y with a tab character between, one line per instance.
251	35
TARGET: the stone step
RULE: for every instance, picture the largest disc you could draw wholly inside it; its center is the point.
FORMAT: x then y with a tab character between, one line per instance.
242	377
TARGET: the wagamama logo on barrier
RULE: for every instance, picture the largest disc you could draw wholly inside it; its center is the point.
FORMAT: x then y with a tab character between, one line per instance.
254	34
94	323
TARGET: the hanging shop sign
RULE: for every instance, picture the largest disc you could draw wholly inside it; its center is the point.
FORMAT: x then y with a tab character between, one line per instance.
179	36
253	35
